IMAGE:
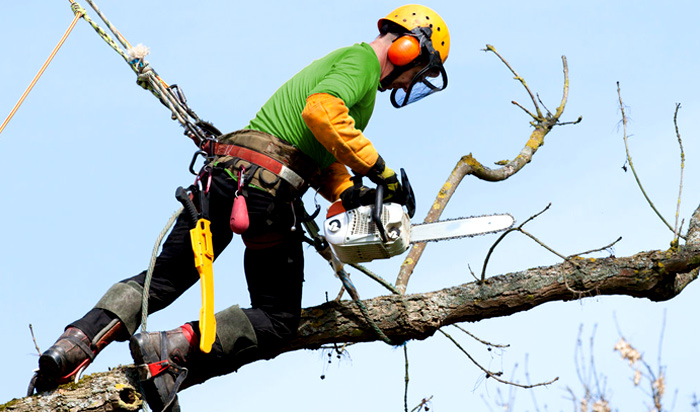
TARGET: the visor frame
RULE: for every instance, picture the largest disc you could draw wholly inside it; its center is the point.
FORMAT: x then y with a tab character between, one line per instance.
421	77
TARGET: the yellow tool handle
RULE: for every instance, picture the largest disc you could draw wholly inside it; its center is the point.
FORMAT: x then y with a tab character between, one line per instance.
203	260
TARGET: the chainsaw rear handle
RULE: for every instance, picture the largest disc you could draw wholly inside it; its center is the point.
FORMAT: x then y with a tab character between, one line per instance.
409	197
377	213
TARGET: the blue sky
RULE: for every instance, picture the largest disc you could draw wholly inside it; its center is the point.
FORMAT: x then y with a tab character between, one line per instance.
91	163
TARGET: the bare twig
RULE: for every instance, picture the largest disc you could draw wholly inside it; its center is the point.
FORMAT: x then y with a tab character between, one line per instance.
577	121
680	189
472	272
527	379
629	160
494	375
597	250
524	109
341	292
423	404
406	379
490	48
31	330
566	258
504	234
495	345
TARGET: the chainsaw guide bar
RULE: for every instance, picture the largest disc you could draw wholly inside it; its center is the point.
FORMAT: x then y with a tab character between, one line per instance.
460	227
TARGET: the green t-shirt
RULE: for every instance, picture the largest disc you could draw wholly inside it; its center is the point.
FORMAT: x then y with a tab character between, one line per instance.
350	73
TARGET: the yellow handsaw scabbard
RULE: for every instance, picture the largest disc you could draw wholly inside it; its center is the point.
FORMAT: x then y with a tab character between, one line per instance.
203	261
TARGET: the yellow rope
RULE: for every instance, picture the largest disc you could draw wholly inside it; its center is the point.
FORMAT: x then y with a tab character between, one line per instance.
41	71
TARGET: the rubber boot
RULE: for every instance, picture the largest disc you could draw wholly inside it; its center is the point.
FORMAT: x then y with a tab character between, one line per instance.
70	355
162	358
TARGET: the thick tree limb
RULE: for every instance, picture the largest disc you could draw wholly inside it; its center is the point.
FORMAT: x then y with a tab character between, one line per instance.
655	275
113	391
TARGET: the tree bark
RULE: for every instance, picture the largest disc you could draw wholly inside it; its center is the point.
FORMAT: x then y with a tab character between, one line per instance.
113	391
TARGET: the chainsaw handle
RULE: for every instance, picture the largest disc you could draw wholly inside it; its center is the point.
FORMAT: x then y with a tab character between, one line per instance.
377	212
409	197
181	195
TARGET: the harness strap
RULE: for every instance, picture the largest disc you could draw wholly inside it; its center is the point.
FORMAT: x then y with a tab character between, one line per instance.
264	161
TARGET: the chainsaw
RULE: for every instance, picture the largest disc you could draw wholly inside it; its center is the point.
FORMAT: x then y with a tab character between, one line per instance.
380	231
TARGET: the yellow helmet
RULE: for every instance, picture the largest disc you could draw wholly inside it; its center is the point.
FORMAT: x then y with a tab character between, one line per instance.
425	43
412	16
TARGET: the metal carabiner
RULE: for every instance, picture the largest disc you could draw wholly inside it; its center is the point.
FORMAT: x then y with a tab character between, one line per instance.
194	159
241	181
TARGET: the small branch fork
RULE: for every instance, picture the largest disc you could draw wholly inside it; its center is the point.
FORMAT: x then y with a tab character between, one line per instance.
676	229
468	165
569	258
495	375
520	229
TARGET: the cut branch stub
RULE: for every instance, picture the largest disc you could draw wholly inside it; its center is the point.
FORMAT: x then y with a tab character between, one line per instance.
468	165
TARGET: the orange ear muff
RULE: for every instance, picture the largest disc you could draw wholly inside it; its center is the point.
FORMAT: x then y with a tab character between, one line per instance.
404	50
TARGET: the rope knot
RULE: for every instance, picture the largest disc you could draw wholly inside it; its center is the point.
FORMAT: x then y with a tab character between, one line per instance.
77	9
144	76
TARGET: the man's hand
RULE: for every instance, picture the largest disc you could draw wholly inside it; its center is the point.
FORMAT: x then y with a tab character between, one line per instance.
380	174
354	197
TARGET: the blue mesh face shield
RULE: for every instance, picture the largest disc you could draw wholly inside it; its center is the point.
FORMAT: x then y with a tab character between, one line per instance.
424	83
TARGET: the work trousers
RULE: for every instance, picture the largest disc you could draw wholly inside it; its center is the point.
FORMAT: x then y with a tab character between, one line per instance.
273	264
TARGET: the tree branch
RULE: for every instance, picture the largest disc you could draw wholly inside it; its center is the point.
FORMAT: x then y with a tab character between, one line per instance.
113	391
468	165
655	275
634	172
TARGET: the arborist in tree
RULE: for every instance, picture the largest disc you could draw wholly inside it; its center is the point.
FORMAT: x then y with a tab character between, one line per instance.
307	134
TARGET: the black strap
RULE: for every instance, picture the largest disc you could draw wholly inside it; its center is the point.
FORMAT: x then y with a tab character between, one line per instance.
85	348
180	373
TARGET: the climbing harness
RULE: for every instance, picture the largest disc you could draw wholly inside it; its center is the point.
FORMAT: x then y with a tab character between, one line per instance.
206	137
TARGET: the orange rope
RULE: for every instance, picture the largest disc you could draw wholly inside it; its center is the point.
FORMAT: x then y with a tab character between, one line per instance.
41	71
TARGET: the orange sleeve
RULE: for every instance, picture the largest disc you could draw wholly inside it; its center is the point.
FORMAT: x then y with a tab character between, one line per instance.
334	180
329	120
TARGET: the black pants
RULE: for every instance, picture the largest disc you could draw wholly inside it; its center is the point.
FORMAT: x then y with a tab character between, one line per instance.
273	264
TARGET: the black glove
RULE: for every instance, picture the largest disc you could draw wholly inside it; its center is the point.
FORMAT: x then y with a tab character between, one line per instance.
380	174
356	196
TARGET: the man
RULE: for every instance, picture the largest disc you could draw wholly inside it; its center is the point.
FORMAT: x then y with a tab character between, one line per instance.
308	134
